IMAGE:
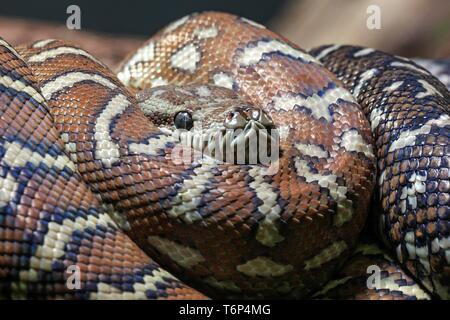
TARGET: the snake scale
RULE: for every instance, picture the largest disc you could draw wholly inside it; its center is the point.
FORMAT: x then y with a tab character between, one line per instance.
101	172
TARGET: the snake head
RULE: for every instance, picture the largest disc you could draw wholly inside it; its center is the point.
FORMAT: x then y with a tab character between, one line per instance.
212	120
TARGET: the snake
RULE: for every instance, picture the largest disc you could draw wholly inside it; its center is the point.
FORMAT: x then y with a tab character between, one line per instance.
221	160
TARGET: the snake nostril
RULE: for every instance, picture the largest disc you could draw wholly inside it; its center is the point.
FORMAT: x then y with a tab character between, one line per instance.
255	114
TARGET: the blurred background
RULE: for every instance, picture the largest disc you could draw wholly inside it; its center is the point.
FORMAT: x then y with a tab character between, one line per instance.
111	29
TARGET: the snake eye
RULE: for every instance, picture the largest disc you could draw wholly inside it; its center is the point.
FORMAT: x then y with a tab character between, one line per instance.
183	120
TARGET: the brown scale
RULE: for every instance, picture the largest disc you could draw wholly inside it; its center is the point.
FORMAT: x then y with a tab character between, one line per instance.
47	193
351	282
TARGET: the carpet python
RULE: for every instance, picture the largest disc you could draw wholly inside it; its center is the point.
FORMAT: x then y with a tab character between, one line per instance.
101	172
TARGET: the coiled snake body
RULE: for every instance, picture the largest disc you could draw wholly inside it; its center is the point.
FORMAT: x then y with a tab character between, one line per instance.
78	148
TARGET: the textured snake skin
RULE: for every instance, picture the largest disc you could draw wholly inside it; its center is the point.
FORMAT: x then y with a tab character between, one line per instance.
357	278
49	219
408	109
228	229
440	68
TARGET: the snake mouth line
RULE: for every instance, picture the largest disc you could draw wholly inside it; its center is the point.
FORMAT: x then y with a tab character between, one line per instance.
252	144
